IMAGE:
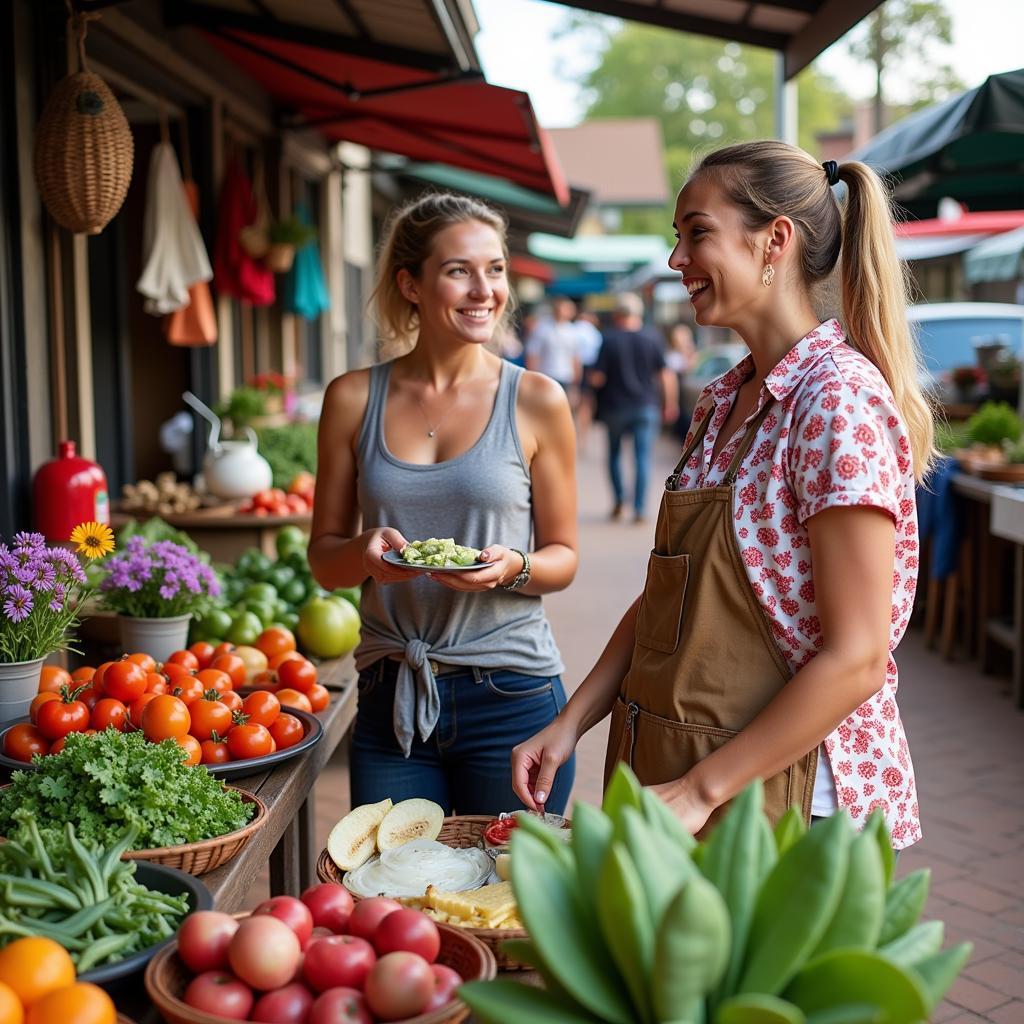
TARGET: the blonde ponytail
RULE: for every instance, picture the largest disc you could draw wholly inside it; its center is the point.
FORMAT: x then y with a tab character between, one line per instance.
875	295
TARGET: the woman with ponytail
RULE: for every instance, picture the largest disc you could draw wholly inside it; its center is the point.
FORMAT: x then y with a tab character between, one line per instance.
785	556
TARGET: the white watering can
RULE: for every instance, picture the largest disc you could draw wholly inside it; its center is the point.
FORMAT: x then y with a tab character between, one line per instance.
231	469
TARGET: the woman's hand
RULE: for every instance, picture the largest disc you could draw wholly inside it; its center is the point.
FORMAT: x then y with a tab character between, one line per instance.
503	565
685	802
535	762
378	542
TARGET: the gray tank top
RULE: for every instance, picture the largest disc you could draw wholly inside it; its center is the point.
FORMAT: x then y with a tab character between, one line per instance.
481	497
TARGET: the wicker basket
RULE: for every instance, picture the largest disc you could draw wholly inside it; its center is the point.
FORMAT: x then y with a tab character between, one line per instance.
459	832
83	154
167	977
198	858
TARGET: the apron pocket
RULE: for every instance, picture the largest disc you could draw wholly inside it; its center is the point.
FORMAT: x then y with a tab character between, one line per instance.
660	615
664	750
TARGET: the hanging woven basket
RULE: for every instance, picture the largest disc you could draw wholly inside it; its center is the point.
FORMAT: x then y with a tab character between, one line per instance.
83	151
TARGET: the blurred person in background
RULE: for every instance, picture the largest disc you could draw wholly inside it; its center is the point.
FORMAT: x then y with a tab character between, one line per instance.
636	391
553	346
589	342
680	358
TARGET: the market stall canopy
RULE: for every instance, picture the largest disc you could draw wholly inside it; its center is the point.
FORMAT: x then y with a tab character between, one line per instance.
382	86
943	236
970	147
799	29
996	259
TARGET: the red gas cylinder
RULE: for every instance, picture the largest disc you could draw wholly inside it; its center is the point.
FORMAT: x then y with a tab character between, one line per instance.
66	491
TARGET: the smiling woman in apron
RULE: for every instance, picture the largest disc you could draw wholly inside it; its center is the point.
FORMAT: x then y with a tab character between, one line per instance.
785	555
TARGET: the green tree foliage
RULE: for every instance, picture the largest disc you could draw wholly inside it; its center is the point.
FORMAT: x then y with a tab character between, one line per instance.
914	36
705	93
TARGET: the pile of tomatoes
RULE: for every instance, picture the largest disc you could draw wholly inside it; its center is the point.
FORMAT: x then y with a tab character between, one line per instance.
37	986
274	501
192	698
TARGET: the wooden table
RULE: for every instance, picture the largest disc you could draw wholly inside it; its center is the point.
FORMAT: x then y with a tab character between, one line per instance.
223	531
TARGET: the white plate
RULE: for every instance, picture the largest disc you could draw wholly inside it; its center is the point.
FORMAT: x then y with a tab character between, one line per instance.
394	558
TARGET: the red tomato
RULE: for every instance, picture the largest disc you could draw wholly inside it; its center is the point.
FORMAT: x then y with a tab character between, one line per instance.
188	691
319	697
233	665
147	661
97	679
137	707
184	658
293	699
224	647
245	741
296	504
295	914
156	683
399	985
24	740
52	678
203	650
297	675
265	680
203	939
110	712
232	701
190	745
125	681
214	751
275	640
289	1004
83	675
209	716
174	672
408	930
219	993
89	696
41	698
214	679
338	960
56	718
263	499
279	659
165	717
262	707
340	1005
287	731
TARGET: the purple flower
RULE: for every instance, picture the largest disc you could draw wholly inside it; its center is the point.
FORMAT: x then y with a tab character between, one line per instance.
18	605
134	584
46	576
7	560
169	591
58	598
25	574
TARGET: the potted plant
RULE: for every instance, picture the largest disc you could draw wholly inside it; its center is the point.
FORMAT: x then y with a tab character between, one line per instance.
244	405
286	237
41	591
632	920
966	381
155	590
1004	379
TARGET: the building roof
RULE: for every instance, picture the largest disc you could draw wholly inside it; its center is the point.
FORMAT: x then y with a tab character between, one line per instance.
619	160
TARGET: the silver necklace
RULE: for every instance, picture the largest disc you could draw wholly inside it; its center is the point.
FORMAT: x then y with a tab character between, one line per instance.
432	429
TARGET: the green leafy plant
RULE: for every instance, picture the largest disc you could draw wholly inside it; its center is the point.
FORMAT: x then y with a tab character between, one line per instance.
105	783
243	406
1013	452
290	450
292	231
634	923
994	423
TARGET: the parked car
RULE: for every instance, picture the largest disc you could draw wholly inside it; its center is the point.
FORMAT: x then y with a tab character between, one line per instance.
711	363
950	334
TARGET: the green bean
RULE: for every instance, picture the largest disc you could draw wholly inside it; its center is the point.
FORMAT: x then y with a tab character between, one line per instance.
58	894
47	931
14	898
92	872
101	950
86	918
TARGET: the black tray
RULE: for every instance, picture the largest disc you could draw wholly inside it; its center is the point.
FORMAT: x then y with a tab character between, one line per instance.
231	770
161	879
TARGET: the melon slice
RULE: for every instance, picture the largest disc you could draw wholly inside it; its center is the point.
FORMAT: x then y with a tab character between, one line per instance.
407	820
353	840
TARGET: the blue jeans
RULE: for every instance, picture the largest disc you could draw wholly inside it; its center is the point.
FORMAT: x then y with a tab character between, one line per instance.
465	764
643	425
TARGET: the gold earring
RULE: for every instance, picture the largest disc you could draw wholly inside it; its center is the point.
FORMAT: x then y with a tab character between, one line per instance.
768	274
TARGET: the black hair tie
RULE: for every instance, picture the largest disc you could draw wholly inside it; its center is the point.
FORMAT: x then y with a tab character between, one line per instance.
832	171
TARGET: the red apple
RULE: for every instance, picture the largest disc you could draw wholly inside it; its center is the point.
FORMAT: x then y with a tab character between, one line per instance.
293	912
338	960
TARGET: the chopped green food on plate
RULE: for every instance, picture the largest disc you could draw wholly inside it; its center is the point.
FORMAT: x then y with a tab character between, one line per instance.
440	554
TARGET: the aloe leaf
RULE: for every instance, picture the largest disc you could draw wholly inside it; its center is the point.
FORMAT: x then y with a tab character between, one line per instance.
659	815
789	828
759	1009
849	1013
661	865
903	905
938	972
857	920
922	941
509	1002
623	790
880	830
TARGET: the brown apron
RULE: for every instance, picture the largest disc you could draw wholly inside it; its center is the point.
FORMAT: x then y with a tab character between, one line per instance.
704	661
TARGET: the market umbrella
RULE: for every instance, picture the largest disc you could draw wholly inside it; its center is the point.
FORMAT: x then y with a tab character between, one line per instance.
970	147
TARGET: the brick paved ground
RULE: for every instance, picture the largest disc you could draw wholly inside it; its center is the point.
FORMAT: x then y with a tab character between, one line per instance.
965	737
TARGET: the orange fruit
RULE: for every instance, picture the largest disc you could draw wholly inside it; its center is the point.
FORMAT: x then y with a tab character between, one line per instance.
80	1003
276	640
11	1011
34	966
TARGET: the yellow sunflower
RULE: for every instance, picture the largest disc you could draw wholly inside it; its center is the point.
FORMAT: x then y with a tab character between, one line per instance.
94	540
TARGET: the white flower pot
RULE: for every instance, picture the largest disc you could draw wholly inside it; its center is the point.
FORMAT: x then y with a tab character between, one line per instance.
159	638
19	683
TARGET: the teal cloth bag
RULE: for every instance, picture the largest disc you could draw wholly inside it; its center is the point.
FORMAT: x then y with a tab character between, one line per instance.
304	291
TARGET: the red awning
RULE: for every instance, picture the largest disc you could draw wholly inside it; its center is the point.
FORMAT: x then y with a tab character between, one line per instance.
415	113
527	266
